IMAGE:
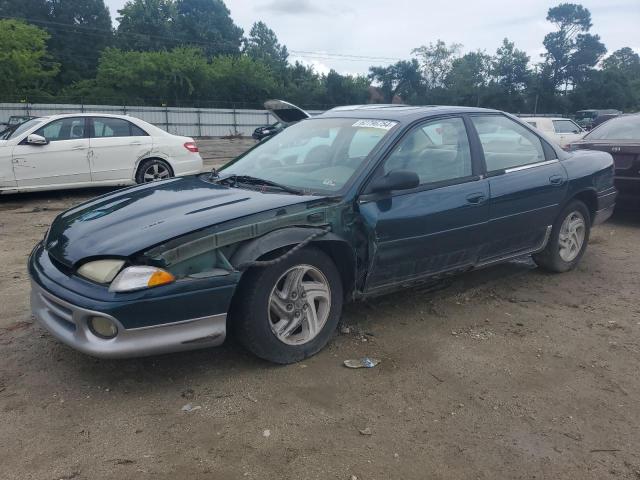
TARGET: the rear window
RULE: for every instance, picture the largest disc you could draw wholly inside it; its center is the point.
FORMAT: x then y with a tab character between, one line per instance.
619	128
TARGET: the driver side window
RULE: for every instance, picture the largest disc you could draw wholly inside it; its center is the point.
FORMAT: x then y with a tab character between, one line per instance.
63	129
437	151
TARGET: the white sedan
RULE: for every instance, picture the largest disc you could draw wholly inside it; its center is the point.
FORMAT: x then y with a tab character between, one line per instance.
80	150
563	130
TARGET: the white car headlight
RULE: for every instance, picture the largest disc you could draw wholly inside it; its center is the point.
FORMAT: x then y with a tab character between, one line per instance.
101	271
137	278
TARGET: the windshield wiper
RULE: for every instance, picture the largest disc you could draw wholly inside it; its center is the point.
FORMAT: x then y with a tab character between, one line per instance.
260	181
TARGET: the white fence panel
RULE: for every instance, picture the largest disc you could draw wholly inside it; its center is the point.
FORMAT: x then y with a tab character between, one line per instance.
191	122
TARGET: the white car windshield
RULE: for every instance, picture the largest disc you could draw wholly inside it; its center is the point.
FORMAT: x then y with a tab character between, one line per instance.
315	155
18	130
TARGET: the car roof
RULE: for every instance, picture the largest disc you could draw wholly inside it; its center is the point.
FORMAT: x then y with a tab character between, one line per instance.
85	114
399	113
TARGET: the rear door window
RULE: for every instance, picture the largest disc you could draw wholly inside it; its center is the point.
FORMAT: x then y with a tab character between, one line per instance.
506	143
104	127
566	126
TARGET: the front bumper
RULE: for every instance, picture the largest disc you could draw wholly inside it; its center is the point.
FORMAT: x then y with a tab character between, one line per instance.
69	324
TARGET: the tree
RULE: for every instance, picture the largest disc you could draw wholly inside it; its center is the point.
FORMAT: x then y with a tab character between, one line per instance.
263	45
345	89
624	60
571	51
147	25
24	64
468	78
402	79
208	25
175	76
241	80
510	68
436	61
79	31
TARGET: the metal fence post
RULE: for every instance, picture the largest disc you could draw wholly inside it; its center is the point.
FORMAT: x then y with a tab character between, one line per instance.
199	122
235	120
166	117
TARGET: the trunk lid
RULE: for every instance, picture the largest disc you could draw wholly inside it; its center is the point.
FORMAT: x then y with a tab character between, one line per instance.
285	112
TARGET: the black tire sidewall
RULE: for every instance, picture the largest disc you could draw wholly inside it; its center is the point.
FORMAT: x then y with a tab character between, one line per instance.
251	324
146	163
556	263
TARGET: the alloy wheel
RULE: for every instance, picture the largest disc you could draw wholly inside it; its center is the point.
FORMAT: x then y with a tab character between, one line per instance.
156	171
571	237
299	305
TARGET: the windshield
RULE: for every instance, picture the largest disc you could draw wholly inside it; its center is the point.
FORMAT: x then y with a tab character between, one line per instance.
17	130
586	115
619	128
314	155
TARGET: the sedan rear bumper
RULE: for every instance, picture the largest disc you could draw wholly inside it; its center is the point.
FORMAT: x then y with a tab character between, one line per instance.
70	324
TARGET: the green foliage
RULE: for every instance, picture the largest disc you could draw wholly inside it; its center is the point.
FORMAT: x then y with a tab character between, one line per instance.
24	65
402	79
571	51
79	30
208	24
150	25
190	52
146	25
263	45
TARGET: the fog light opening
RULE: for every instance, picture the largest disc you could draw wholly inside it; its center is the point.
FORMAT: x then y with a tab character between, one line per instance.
102	327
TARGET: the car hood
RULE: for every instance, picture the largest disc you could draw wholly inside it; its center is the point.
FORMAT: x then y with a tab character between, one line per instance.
133	219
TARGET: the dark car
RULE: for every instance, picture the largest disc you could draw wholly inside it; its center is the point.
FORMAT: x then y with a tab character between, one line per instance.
286	113
346	205
591	118
620	137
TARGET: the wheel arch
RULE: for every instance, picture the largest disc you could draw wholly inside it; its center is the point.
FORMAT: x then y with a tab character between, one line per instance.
590	198
280	241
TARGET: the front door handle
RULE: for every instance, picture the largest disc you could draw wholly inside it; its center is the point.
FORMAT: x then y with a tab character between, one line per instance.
477	198
135	143
556	180
78	147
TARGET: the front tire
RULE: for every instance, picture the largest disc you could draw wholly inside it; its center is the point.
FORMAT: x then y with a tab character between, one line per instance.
153	170
568	240
288	311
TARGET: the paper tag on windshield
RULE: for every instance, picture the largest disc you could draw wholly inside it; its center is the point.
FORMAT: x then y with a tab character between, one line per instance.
383	124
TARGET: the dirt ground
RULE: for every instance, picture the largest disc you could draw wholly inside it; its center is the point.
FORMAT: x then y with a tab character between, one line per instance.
508	373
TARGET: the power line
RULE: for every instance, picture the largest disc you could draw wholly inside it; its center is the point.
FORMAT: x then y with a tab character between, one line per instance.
177	41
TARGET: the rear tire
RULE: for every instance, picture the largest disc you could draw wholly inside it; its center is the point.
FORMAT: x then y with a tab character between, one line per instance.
288	311
153	170
568	240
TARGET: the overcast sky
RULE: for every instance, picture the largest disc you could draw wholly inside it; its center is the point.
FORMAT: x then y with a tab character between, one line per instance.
391	28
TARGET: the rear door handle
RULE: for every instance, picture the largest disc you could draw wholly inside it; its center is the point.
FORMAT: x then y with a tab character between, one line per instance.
78	147
556	180
135	143
477	198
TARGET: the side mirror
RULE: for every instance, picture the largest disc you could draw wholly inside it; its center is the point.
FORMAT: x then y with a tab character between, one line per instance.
34	139
395	180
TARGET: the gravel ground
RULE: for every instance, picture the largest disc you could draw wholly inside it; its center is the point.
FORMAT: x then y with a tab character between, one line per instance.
506	373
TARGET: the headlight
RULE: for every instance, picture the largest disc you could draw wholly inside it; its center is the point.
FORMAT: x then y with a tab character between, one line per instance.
137	278
101	271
